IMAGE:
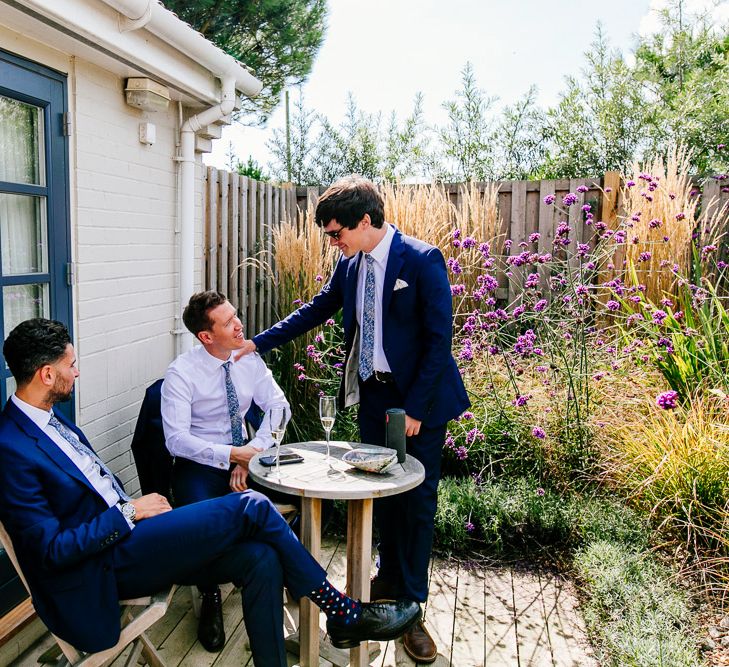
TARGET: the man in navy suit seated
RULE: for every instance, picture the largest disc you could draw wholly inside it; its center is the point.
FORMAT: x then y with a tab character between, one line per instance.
84	544
395	299
204	399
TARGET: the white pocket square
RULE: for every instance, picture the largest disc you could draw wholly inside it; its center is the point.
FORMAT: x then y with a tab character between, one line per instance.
399	284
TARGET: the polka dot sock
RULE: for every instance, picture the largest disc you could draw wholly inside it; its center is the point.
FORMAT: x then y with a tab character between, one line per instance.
336	605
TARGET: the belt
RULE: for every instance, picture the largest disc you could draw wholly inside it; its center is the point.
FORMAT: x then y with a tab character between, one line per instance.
384	377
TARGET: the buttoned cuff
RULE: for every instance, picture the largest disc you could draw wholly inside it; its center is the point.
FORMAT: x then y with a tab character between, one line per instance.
221	457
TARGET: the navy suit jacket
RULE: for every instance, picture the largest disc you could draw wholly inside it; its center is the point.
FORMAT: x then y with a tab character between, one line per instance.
416	329
62	531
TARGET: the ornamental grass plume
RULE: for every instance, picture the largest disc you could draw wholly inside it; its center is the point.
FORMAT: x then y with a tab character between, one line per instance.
468	233
302	254
660	221
674	464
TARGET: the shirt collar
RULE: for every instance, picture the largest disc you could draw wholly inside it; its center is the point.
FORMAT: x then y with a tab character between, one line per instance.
210	362
38	416
381	250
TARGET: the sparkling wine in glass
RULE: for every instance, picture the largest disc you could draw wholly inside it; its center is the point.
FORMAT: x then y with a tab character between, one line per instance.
277	421
327	414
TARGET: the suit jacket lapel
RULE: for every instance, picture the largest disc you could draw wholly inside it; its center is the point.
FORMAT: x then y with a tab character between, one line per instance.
45	444
394	264
350	300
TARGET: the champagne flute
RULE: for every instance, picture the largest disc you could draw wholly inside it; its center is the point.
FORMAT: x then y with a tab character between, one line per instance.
277	421
327	414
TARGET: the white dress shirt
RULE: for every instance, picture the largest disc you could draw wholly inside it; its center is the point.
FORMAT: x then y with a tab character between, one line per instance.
380	254
195	405
88	467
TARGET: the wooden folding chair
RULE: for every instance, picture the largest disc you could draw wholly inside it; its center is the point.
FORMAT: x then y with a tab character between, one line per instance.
148	610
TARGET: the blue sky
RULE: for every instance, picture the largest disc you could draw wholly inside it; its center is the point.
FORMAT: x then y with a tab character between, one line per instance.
385	51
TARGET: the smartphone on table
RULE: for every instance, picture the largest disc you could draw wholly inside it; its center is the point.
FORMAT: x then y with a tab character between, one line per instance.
289	457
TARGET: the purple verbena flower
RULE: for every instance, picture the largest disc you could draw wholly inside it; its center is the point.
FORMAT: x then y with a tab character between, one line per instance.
659	316
569	199
668	400
539	433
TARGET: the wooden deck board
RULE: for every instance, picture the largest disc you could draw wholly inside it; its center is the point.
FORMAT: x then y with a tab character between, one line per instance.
567	633
478	615
531	628
500	645
468	637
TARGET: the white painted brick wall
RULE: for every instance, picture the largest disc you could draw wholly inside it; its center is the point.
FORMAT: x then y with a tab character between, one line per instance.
126	254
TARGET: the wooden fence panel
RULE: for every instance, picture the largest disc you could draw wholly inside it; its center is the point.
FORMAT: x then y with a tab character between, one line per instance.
268	250
243	285
240	215
233	217
251	269
517	234
211	226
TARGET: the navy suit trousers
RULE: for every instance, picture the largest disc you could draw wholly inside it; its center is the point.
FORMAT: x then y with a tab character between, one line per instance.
239	538
404	522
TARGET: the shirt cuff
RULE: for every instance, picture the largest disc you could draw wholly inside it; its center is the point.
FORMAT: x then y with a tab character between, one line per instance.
221	457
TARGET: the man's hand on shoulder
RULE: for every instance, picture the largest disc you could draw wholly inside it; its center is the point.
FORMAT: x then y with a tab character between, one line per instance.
150	505
247	347
412	426
243	455
238	478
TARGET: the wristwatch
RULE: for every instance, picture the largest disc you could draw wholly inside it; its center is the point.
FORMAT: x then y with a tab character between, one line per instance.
129	511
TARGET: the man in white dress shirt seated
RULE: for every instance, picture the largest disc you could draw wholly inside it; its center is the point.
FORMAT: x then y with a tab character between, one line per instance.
205	397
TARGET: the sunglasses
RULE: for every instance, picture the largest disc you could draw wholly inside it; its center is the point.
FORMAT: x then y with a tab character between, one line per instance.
335	234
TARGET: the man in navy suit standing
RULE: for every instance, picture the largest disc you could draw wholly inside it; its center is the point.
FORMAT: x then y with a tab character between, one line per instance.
395	298
84	544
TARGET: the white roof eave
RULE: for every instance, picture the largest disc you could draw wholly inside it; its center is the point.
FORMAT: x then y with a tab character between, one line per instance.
163	48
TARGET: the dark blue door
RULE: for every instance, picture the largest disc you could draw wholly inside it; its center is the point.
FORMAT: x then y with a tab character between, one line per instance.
34	219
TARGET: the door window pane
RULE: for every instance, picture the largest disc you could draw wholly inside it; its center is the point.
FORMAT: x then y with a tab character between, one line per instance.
21	142
23	232
23	302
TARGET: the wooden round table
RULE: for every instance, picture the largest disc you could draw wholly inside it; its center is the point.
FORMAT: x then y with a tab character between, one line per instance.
317	478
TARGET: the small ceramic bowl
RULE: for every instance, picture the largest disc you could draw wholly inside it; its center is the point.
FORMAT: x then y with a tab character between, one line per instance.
370	460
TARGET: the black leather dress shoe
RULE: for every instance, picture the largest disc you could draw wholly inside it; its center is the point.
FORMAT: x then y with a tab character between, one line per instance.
210	630
381	621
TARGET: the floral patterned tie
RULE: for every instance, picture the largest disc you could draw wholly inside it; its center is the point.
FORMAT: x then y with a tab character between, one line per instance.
82	449
236	420
367	344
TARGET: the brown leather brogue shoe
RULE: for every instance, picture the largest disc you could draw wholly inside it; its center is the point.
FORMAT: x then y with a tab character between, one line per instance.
419	645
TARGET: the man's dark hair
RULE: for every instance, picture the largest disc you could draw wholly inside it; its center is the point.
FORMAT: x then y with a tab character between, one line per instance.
347	201
196	313
33	344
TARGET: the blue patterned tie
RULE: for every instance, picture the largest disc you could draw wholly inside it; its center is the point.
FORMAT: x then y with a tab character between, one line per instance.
367	344
236	420
82	449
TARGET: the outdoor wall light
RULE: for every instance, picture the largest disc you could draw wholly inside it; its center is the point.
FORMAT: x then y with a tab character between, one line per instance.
147	95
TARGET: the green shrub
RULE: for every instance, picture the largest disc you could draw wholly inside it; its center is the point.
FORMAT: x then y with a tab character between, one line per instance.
518	516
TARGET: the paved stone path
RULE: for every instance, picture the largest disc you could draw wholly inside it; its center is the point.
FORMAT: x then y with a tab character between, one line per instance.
479	616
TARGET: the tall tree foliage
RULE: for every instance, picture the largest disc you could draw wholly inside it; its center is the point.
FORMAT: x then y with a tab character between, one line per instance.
685	70
599	121
467	141
277	39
